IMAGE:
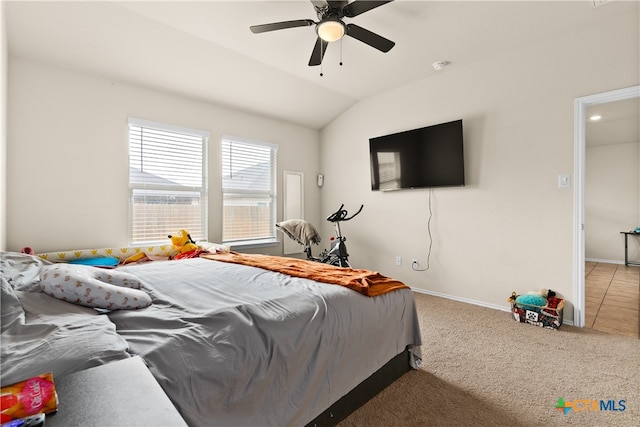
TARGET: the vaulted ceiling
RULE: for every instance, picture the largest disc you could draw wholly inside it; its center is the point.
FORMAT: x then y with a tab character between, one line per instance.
204	49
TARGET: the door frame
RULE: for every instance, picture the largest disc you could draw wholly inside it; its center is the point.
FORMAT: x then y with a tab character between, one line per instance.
580	130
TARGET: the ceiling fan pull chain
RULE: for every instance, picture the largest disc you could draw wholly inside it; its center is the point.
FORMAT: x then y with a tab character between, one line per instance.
323	49
341	51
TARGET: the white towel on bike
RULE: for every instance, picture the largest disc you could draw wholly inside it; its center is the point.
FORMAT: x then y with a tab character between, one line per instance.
300	230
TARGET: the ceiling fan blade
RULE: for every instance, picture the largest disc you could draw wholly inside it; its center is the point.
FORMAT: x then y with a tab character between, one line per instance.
362	6
372	39
318	52
338	4
263	28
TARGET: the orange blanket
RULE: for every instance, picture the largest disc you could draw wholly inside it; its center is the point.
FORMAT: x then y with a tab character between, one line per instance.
369	283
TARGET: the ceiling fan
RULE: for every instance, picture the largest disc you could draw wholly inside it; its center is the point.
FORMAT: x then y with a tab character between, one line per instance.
331	27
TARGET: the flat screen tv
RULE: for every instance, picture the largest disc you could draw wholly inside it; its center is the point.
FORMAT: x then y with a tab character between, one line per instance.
431	156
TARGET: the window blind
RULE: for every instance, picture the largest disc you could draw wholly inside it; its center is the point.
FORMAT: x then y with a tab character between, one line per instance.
249	191
167	182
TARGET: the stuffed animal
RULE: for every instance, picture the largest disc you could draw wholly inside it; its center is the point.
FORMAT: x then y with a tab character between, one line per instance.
529	300
183	242
545	293
535	298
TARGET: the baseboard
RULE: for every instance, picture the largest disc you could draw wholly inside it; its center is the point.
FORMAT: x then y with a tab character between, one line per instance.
605	261
474	302
465	300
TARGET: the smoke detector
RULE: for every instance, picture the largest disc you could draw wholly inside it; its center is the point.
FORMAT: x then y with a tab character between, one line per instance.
439	65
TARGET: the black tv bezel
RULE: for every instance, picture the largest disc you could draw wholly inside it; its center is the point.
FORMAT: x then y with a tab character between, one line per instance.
417	131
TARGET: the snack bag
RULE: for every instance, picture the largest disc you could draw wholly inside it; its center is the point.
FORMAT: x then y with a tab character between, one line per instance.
36	395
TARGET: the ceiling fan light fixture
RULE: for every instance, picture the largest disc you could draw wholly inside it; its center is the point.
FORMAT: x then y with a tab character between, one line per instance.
330	30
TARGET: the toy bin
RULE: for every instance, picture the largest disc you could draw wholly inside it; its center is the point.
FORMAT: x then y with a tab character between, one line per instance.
549	316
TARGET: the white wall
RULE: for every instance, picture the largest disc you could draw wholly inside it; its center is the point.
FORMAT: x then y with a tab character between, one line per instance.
67	171
3	127
612	200
511	227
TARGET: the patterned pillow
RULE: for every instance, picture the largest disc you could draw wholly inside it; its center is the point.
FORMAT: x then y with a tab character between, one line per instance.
93	287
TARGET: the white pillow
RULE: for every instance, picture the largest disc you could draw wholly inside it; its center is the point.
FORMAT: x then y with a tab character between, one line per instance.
212	247
93	287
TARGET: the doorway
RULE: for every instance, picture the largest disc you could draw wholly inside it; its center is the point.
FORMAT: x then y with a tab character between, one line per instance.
581	106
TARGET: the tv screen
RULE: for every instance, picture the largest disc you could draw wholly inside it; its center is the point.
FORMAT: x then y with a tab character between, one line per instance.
431	156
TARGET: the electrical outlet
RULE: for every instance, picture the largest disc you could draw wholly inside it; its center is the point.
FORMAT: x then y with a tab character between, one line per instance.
398	261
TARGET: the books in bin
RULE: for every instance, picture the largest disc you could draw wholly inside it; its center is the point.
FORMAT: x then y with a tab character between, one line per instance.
35	395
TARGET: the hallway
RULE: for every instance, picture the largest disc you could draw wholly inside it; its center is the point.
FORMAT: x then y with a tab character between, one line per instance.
612	298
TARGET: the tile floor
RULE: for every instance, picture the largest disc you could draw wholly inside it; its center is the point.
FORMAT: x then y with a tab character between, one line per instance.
612	298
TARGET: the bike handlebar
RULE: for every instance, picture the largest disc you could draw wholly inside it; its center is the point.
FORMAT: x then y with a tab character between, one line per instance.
341	214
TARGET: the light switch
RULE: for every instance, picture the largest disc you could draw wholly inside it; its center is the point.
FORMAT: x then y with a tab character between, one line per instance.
564	181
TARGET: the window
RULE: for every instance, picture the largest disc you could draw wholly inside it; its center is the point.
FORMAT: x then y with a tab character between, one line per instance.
248	192
167	182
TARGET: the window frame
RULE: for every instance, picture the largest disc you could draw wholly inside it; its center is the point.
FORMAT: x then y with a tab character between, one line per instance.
202	189
254	242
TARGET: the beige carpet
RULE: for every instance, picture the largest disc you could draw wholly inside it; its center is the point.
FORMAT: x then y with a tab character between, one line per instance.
482	368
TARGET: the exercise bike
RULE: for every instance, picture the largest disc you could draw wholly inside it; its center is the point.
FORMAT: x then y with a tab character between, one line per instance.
304	233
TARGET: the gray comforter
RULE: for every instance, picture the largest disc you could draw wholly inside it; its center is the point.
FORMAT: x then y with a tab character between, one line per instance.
41	334
235	345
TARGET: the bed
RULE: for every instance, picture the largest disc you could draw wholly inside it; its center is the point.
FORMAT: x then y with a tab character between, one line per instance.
231	345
